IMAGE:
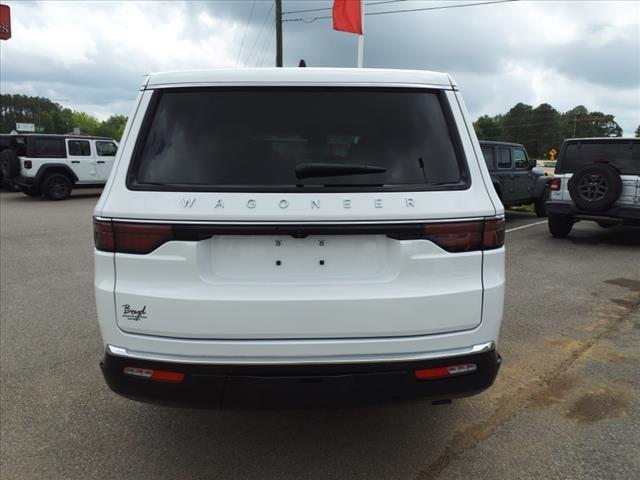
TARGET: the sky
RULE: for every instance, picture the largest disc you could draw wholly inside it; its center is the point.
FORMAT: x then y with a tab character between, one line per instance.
92	56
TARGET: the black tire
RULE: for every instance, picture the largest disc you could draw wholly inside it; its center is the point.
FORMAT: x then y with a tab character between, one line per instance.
57	186
9	164
31	191
540	203
596	187
560	225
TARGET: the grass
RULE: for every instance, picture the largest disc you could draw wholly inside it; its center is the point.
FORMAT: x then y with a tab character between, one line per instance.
524	208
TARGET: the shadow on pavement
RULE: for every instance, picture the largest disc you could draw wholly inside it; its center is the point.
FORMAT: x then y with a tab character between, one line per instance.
620	235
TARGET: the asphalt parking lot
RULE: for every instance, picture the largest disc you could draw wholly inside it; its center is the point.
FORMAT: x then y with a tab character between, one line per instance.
566	403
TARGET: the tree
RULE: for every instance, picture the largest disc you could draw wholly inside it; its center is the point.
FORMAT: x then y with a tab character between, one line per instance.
579	122
488	128
543	130
603	125
51	117
85	122
517	125
638	131
112	127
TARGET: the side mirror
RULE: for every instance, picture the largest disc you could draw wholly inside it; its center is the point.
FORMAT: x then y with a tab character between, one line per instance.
532	163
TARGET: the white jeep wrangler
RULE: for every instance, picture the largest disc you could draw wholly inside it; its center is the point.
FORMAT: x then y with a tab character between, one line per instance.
299	236
595	179
52	165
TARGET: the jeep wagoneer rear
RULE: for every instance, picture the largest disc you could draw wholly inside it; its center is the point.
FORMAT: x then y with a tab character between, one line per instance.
297	236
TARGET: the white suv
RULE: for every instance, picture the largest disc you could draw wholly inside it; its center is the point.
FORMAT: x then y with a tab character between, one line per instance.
52	165
296	236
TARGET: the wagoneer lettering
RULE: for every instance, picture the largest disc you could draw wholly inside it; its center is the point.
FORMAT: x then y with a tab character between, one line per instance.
355	253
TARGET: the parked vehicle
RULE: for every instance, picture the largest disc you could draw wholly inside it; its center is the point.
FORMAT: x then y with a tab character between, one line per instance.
53	165
5	141
514	176
299	236
596	179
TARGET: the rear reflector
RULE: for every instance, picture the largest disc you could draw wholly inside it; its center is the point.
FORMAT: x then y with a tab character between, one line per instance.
554	184
158	375
442	372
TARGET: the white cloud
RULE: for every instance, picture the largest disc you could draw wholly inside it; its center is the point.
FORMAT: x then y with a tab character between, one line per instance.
94	54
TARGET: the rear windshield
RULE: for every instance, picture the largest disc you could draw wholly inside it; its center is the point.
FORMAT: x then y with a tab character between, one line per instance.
264	137
623	155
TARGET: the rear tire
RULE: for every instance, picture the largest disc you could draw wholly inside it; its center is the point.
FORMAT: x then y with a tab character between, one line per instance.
560	225
540	203
57	186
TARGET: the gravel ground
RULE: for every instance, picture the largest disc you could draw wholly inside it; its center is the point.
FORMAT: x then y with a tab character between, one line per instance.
566	403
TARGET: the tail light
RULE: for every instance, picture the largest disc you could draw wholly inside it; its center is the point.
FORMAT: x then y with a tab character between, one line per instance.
139	238
467	236
143	238
27	164
554	184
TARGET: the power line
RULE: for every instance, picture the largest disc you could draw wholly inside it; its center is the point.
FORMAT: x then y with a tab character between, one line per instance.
330	8
263	28
245	31
265	48
423	9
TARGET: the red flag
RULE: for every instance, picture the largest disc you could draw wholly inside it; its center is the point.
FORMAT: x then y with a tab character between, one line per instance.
5	22
347	16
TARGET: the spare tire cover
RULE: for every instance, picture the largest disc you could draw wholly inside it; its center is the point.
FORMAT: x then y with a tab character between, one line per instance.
9	164
596	187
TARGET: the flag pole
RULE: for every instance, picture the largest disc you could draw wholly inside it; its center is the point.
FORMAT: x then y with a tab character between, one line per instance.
361	38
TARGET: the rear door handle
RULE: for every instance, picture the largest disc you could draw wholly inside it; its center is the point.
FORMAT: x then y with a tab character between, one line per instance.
100	161
75	161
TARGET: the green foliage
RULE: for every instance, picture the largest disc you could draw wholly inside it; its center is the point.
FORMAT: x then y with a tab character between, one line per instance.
85	122
638	131
112	127
489	128
51	117
542	128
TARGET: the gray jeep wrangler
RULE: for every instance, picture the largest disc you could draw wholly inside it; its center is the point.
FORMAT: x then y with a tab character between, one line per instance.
513	175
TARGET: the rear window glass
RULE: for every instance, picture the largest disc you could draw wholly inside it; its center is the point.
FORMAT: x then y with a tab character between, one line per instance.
489	157
47	147
79	148
625	156
246	138
106	149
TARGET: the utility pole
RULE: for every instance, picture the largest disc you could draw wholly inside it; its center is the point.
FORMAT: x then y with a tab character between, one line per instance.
360	59
278	33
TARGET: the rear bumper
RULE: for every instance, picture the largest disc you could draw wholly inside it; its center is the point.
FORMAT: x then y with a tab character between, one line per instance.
624	213
284	386
22	181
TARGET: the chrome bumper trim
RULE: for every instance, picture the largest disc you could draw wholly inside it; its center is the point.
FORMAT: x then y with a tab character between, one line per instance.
123	352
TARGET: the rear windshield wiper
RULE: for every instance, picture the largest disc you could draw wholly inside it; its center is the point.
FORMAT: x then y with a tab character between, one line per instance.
307	170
